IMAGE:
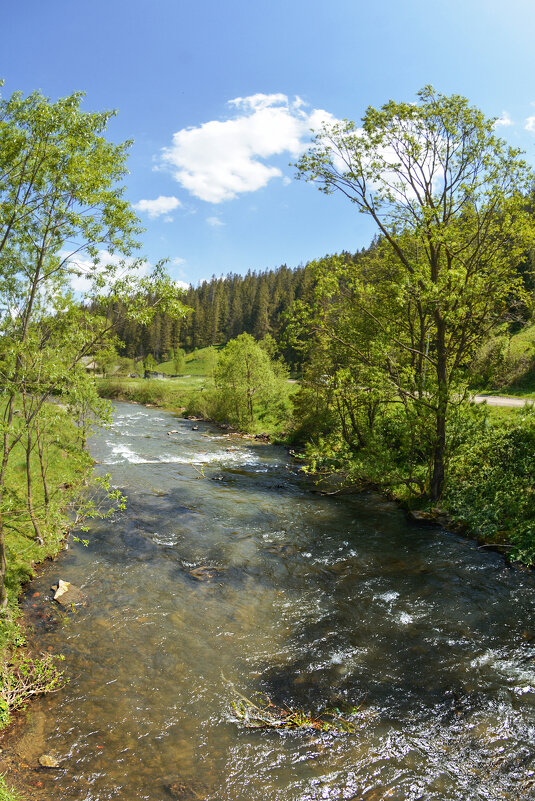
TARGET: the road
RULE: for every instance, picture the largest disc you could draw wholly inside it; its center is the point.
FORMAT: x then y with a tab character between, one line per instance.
501	400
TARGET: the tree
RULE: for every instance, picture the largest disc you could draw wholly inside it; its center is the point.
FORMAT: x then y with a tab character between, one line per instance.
449	199
247	382
179	361
62	215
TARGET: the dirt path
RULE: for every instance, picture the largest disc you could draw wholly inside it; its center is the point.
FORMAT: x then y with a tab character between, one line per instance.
501	400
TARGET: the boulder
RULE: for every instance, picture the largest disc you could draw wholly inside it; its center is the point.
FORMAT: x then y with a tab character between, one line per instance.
67	594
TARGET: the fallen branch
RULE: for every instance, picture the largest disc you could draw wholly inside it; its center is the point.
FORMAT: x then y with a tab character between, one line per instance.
263	714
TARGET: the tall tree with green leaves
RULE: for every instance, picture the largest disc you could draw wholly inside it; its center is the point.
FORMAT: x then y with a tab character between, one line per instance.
449	199
62	215
247	382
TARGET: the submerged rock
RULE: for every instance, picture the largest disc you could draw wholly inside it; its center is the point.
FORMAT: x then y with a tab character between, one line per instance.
187	791
205	572
67	594
48	761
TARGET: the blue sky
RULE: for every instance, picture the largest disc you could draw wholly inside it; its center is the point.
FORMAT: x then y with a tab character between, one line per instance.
219	98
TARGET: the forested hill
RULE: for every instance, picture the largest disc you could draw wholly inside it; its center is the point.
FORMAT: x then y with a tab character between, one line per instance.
223	308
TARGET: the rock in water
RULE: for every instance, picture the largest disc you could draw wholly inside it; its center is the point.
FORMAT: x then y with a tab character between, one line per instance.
48	761
190	791
419	516
67	594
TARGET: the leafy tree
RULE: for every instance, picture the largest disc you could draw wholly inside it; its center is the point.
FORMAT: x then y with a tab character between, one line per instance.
449	201
247	383
62	212
150	362
179	361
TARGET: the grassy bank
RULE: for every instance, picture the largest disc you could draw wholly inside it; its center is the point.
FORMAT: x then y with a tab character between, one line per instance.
183	394
67	468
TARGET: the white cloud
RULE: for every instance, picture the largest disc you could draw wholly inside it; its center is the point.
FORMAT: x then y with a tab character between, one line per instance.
220	160
161	205
505	120
182	284
215	222
530	124
177	261
83	268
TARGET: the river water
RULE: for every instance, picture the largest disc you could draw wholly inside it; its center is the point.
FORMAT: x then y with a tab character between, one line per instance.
317	601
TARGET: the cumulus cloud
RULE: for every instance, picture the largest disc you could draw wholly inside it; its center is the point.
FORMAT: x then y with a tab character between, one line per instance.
503	121
161	205
220	160
530	124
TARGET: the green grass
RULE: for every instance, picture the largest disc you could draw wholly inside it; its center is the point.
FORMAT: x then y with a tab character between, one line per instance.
498	413
67	466
198	363
516	375
523	343
173	393
525	389
7	793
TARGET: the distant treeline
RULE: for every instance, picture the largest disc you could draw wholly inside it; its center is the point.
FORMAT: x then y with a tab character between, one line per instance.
222	308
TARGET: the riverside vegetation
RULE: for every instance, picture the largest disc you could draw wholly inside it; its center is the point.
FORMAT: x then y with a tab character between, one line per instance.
386	343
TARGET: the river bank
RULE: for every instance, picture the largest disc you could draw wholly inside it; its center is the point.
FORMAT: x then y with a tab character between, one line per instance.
68	469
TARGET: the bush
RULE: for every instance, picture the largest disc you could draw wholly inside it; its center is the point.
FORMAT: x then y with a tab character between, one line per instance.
491	486
22	677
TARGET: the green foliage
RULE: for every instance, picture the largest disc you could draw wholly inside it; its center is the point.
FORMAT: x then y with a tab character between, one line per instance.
22	677
223	308
62	216
150	362
491	485
449	199
249	386
179	361
506	361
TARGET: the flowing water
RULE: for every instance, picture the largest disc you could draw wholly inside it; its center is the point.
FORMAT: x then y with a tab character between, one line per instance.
317	601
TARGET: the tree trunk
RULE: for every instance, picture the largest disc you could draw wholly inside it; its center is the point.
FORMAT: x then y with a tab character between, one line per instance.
3	469
42	465
439	455
31	511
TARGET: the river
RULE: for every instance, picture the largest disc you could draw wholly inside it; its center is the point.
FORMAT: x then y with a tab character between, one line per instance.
317	601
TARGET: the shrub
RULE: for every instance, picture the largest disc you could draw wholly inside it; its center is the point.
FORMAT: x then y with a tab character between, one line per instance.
22	677
491	485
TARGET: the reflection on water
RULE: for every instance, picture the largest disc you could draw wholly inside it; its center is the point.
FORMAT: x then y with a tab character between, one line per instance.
317	601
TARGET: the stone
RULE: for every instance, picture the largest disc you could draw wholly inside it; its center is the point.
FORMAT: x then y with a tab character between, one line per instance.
48	761
204	572
190	791
67	594
419	516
